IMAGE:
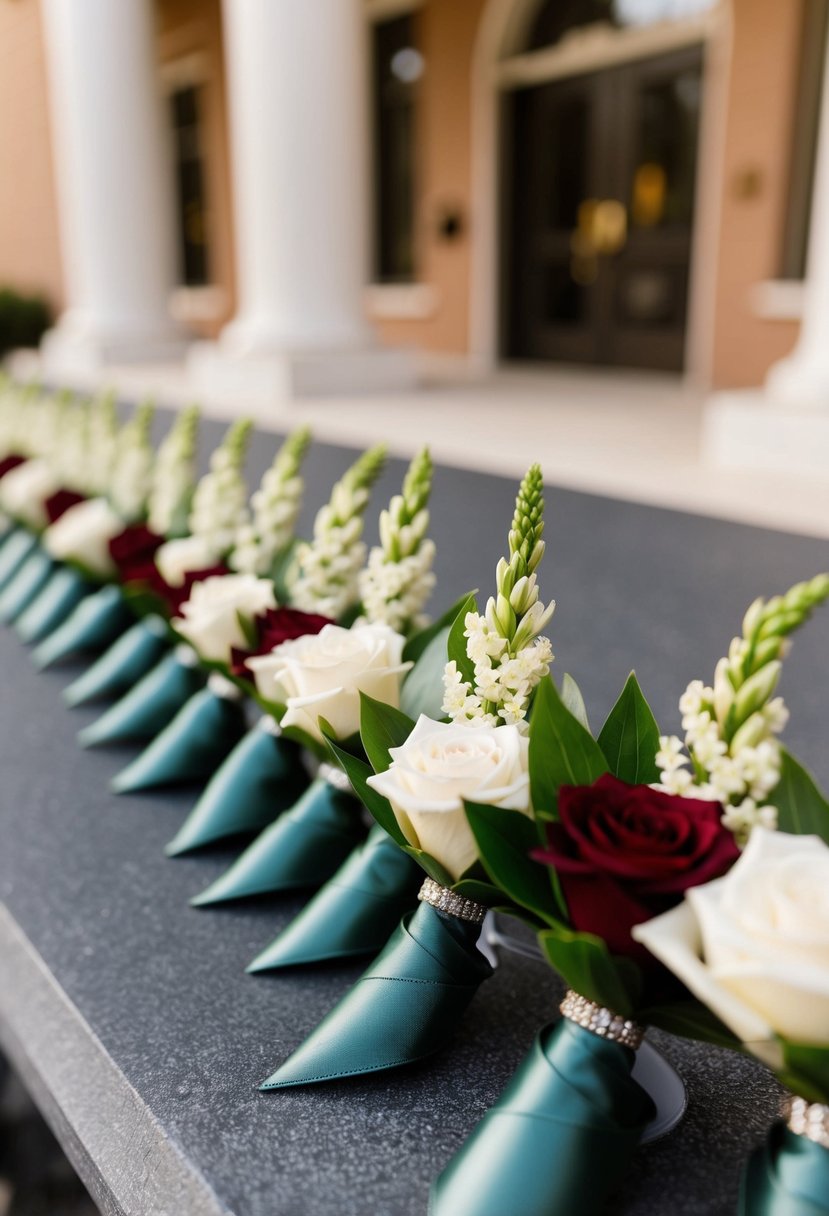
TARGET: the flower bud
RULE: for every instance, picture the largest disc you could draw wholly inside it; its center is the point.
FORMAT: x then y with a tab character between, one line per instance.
757	690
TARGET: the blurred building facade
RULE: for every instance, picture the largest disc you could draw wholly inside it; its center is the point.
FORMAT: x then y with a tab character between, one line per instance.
599	182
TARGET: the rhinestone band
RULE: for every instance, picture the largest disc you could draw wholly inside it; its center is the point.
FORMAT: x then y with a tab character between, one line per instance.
186	655
808	1119
445	900
603	1022
335	777
221	687
270	726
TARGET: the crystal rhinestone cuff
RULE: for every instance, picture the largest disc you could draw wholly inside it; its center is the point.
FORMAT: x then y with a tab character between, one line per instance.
603	1022
270	726
220	686
447	901
186	655
335	777
807	1119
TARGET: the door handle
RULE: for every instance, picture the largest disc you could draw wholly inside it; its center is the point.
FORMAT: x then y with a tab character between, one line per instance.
602	226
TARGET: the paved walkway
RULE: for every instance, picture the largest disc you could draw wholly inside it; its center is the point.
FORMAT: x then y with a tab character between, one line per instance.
628	435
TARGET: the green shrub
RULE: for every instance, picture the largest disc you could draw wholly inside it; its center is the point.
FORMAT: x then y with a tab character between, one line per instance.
23	319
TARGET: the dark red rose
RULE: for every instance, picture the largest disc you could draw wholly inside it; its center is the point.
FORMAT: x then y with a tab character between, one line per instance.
625	853
61	501
133	550
10	462
145	575
275	626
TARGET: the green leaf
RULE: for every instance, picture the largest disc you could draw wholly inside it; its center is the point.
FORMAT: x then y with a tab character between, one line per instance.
573	700
249	630
381	728
587	966
358	773
505	840
418	643
690	1020
280	572
422	691
456	643
562	752
482	892
801	807
807	1069
432	867
630	737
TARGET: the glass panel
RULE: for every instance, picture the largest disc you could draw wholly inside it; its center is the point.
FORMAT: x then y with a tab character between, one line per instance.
651	297
190	193
398	65
565	300
568	142
662	190
558	17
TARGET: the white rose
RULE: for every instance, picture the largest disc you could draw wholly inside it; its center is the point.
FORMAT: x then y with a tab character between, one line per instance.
83	533
24	490
176	558
754	946
323	674
210	618
439	766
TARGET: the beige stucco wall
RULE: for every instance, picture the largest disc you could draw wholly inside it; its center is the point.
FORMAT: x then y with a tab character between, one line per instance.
760	128
29	242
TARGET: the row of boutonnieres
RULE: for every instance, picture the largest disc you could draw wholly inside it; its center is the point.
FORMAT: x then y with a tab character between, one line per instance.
622	850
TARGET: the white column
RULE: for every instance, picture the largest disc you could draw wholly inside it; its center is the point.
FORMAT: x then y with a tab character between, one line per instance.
802	379
114	180
297	94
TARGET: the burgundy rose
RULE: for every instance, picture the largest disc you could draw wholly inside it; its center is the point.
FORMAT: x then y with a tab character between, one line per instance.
147	576
10	462
625	853
60	502
133	550
275	626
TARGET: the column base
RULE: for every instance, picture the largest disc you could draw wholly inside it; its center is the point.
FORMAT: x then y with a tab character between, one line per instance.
751	429
64	352
219	377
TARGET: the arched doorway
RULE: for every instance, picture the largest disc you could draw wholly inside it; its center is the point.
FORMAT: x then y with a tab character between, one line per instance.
589	140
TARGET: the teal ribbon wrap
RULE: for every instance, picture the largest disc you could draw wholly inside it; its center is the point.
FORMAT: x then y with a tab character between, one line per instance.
16	549
559	1138
127	660
190	747
148	707
27	583
96	622
354	912
404	1008
303	848
262	776
787	1176
62	594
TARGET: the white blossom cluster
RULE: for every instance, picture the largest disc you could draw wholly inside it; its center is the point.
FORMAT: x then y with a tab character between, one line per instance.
327	571
741	774
131	471
173	477
219	505
101	443
275	508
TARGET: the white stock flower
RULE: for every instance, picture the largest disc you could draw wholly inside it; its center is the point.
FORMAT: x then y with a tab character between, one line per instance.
131	481
322	675
24	491
209	620
83	533
439	766
754	946
177	558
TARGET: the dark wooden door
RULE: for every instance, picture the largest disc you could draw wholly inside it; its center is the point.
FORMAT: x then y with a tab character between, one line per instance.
600	212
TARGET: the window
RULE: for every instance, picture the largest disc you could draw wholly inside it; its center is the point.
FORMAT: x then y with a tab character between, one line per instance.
190	196
557	18
804	139
397	67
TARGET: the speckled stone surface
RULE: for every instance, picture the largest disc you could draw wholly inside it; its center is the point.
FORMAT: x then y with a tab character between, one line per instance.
162	987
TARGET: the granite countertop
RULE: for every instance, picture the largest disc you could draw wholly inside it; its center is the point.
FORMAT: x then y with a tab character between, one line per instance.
129	1015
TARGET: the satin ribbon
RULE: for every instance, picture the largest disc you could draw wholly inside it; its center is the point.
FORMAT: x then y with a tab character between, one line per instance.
28	581
262	776
787	1176
404	1008
94	624
63	593
302	848
559	1138
148	707
128	659
356	910
190	748
16	548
